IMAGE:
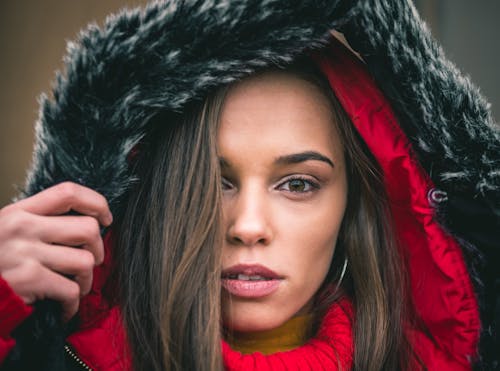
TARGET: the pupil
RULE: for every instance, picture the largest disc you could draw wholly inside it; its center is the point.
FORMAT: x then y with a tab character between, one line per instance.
297	185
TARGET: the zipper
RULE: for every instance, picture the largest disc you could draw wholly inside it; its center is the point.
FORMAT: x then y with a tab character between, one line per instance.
75	358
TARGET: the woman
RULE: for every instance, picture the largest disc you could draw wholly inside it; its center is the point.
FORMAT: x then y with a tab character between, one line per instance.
127	80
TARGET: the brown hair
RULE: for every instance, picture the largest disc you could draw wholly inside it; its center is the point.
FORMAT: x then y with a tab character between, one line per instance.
167	260
169	257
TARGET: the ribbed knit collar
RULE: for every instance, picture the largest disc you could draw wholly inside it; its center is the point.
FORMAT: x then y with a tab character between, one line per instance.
330	349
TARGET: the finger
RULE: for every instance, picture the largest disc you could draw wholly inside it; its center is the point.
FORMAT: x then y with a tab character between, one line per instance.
69	261
63	290
81	231
66	196
85	282
32	282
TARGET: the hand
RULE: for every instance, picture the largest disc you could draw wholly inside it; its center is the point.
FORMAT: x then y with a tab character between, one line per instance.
38	258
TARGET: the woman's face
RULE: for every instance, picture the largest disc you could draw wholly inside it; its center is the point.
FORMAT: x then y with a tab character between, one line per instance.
284	196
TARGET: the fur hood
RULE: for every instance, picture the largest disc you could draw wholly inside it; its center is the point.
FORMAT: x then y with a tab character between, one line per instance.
143	62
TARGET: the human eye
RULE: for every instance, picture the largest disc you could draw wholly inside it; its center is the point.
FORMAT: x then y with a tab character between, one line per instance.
298	184
226	184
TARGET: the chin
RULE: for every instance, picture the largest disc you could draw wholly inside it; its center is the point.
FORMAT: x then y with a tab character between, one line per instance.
251	319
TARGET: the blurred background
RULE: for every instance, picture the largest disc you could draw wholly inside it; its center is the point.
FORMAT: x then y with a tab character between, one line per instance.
33	36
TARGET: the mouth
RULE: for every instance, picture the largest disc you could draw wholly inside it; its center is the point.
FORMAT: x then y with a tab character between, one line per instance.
250	281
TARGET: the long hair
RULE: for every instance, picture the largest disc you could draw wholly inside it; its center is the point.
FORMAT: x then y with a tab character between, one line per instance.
170	237
167	256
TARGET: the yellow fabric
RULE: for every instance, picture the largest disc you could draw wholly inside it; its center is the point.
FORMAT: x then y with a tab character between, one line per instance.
290	335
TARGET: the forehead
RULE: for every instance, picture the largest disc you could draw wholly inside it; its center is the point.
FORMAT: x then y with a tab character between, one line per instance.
280	111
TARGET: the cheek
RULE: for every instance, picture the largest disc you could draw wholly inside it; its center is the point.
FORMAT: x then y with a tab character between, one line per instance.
314	248
311	236
315	226
316	230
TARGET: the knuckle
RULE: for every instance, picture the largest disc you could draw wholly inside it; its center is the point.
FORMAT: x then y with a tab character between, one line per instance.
13	223
19	249
67	190
91	223
30	271
90	228
101	200
86	261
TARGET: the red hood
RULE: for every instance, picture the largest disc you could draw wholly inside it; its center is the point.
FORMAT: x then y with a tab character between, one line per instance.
441	286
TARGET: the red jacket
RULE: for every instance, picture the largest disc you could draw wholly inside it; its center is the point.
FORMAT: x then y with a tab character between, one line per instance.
441	286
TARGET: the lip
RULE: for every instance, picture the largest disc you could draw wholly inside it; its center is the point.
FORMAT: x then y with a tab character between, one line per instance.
250	270
250	288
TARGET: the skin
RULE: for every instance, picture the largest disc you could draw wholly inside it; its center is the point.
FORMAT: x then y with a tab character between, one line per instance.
36	239
289	226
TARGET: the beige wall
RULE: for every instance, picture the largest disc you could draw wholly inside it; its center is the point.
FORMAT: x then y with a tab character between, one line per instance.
33	38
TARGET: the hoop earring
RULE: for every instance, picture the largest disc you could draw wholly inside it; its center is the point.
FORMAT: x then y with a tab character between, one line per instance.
344	269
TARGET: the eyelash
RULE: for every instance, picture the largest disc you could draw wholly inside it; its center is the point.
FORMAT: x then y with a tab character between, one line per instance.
312	184
226	184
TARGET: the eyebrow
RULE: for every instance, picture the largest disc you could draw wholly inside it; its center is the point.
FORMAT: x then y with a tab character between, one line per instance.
296	158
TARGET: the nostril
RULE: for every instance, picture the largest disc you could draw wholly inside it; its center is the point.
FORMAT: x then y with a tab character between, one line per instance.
236	240
246	238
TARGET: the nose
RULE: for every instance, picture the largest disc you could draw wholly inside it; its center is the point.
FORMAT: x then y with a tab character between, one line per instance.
248	217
